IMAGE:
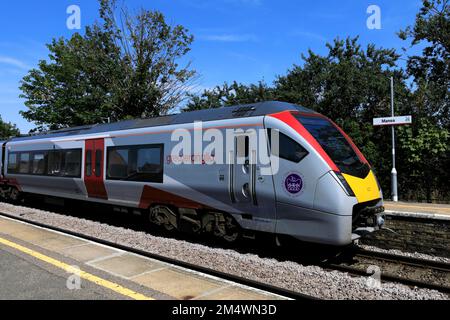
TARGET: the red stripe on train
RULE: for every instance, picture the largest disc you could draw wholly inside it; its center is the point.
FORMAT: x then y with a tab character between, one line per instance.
12	182
151	195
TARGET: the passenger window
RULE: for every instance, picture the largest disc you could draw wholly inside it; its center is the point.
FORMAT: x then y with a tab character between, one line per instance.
242	145
149	160
24	165
72	166
88	163
288	149
12	163
64	163
54	163
118	163
98	163
149	164
38	164
135	163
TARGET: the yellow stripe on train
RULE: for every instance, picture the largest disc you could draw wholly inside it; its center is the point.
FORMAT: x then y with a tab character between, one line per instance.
365	189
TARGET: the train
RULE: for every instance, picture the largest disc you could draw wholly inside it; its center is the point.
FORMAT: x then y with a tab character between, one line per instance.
269	167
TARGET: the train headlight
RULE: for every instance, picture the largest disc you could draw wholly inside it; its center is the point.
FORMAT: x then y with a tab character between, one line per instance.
345	184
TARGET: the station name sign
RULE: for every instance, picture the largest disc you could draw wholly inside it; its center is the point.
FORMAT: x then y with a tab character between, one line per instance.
392	121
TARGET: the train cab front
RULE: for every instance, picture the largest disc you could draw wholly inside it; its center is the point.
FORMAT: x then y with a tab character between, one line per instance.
367	213
359	193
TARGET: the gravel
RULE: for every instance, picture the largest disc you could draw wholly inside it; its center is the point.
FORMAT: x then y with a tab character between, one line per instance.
310	280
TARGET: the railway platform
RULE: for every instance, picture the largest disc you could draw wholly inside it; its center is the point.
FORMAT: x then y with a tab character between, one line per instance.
418	210
38	263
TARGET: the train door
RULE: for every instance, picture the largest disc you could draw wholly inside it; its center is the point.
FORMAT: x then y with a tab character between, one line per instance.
250	191
94	172
2	158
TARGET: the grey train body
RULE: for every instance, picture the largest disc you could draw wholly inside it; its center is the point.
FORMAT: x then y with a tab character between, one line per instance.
322	212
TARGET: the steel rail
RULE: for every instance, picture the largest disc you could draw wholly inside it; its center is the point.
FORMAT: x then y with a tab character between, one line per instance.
398	259
415	262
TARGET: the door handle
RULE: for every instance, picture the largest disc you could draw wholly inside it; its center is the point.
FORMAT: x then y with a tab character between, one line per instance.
231	177
253	177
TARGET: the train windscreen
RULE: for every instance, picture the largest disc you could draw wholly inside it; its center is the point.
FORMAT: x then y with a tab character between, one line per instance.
335	145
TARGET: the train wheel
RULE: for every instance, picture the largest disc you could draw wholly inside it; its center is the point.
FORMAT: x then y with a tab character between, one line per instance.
232	230
15	195
3	194
163	216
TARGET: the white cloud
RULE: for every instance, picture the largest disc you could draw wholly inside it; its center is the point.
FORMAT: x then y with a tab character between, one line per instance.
14	62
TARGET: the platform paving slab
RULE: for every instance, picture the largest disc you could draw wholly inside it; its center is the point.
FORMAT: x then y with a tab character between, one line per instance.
410	208
128	265
165	279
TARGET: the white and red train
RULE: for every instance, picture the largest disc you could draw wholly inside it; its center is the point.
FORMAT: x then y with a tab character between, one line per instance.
321	188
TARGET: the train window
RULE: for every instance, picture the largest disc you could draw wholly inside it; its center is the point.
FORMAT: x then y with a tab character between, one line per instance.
64	163
72	165
24	164
55	159
148	160
288	148
38	163
135	163
12	163
88	163
335	145
98	163
242	144
118	163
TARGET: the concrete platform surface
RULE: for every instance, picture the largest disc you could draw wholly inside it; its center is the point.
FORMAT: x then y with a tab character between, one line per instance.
37	263
429	210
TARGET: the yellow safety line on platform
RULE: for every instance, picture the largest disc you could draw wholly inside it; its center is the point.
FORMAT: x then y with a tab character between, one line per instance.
70	269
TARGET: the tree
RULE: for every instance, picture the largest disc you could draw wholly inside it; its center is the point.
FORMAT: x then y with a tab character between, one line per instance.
7	129
348	83
351	86
116	70
425	148
424	145
431	70
227	95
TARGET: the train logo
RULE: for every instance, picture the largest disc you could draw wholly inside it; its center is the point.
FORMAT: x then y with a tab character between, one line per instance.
293	184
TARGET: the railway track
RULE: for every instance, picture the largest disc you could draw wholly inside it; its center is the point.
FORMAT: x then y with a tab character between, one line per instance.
247	282
415	272
354	261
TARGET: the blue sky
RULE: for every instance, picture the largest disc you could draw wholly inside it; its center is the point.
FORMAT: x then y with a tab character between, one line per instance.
243	40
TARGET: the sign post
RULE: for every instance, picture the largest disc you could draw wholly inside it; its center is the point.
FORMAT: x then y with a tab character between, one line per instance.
393	121
394	171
